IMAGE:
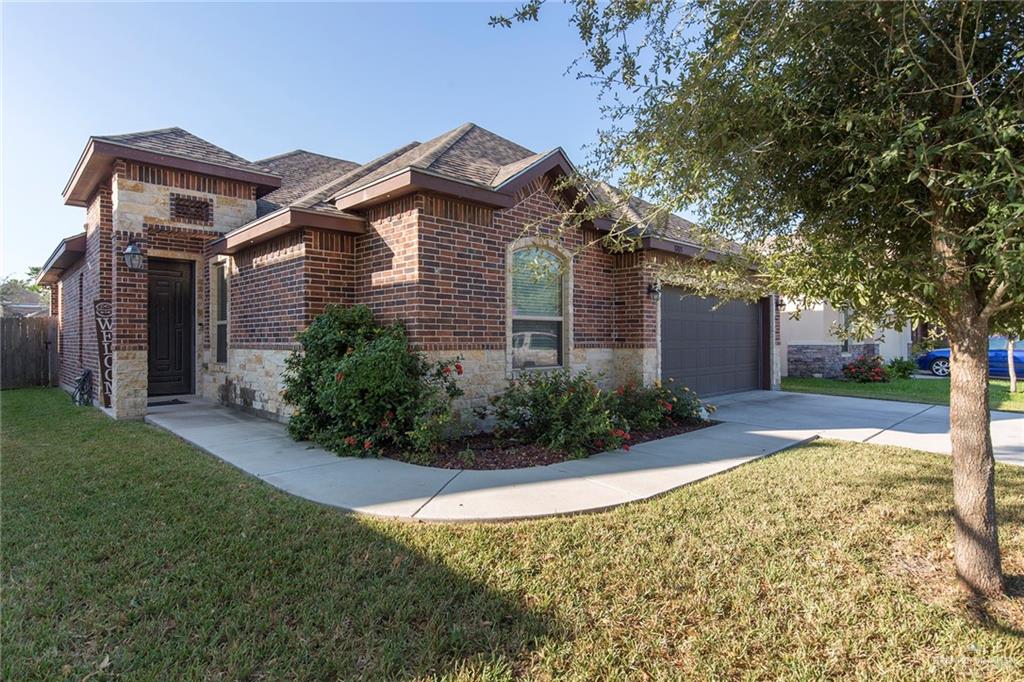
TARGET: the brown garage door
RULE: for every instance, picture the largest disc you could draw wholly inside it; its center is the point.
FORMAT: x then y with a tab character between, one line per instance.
712	351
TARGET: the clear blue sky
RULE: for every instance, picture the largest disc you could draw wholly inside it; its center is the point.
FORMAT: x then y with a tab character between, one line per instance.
352	81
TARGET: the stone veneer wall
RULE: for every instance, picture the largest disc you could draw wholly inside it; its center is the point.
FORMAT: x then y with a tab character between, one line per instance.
250	380
825	359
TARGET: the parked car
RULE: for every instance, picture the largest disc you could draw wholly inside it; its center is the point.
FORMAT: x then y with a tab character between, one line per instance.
937	361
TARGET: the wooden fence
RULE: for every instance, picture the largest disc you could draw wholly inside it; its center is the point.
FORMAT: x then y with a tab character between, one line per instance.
28	356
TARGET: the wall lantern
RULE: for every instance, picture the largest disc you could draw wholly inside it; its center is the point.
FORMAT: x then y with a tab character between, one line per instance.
654	291
133	257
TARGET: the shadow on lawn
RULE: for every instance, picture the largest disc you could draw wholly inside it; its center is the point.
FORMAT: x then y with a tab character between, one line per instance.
920	486
120	543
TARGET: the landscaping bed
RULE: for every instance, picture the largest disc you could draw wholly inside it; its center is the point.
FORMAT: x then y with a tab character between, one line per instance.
486	451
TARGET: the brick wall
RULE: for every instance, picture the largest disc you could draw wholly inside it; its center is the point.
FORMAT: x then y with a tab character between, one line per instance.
446	280
266	306
386	260
328	270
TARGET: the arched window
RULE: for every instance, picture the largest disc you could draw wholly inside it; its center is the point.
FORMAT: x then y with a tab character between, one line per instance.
537	308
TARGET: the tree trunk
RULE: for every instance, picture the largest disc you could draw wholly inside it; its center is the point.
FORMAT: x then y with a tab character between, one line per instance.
1011	362
976	538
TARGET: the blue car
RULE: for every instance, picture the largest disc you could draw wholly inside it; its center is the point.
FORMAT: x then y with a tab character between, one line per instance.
937	361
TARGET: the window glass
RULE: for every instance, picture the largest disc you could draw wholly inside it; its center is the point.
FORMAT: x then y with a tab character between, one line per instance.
536	283
997	343
536	343
220	280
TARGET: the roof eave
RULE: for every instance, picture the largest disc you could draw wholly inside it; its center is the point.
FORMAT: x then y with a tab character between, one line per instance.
680	248
283	221
67	253
409	180
98	156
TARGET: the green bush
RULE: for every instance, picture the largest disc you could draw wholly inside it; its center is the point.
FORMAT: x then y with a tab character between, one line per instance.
865	370
645	408
900	368
357	387
572	414
558	411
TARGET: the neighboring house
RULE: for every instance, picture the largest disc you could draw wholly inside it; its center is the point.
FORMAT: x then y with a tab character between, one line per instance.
810	347
235	257
17	299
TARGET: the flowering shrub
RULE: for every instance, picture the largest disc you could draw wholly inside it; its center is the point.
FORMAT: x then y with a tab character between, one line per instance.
900	368
559	411
357	387
645	408
865	370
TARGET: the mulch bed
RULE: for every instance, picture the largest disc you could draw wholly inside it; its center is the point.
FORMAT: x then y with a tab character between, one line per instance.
490	453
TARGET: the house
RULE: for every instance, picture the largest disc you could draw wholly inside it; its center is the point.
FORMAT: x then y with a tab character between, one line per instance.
197	268
811	347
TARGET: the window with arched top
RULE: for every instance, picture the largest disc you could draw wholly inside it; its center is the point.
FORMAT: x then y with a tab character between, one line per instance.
537	308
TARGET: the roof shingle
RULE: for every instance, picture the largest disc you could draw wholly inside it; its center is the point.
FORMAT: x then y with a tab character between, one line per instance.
181	143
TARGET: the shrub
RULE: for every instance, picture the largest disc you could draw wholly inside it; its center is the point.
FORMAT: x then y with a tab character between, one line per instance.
645	408
865	370
356	387
559	411
900	368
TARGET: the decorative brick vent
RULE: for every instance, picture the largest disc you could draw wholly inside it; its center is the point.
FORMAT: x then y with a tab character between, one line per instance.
193	210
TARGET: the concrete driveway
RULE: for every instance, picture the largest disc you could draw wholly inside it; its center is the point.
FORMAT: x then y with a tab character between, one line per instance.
882	422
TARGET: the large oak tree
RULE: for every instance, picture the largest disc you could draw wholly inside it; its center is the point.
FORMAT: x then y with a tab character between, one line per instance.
867	154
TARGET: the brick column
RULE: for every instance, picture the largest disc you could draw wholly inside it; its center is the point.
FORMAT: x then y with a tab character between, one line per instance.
637	316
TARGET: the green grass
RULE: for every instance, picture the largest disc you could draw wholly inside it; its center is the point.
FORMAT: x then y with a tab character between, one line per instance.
934	391
128	553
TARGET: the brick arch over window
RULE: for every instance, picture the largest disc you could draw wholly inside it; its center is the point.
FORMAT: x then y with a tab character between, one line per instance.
538	329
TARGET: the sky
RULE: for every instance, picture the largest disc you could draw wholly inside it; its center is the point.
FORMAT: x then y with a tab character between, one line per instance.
347	80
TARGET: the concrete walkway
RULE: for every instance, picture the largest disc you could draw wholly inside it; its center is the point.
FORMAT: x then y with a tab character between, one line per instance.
882	422
385	487
756	424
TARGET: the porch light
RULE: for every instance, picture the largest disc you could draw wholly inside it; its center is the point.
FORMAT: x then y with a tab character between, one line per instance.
133	257
654	291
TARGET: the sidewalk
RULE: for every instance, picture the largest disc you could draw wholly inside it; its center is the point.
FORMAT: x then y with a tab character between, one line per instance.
385	487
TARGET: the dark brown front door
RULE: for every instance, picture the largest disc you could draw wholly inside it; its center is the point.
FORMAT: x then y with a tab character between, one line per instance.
171	332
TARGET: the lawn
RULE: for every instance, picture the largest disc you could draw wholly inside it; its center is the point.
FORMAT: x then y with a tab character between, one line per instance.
128	553
912	390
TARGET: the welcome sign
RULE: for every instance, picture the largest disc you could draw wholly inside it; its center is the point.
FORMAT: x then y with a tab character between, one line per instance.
105	338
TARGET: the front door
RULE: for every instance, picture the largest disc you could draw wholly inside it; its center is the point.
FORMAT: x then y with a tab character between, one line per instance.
171	334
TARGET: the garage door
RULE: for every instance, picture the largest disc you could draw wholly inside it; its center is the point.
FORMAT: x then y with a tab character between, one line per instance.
712	351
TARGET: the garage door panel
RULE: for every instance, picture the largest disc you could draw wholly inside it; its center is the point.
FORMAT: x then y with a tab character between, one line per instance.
711	351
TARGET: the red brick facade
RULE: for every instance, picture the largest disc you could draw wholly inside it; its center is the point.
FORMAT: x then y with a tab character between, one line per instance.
435	262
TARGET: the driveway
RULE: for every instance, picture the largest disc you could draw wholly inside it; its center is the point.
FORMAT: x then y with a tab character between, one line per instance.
882	422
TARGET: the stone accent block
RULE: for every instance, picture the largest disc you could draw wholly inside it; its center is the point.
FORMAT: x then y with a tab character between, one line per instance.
824	360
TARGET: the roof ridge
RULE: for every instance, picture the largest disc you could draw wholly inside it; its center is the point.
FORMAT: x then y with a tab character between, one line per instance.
140	133
325	191
301	151
455	134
